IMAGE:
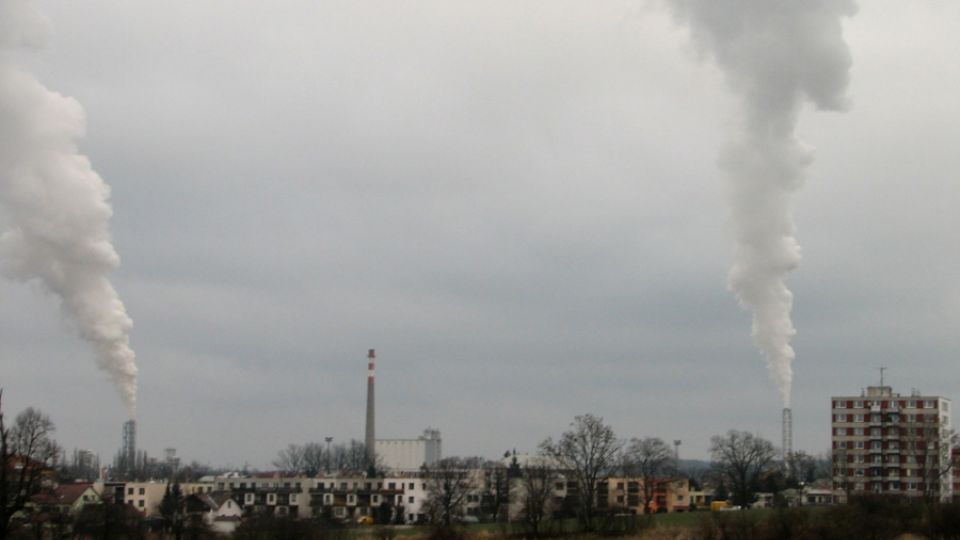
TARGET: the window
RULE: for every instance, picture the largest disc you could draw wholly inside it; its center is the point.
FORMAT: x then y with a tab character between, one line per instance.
351	498
140	503
841	404
859	445
129	491
293	499
858	418
411	485
410	500
143	490
392	485
928	404
858	404
945	406
912	404
858	431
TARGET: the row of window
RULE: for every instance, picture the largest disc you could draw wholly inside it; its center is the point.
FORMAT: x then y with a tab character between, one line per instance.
893	418
320	485
877	487
911	404
893	473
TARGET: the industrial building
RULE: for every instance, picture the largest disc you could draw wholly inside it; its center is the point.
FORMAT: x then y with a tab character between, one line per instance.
884	442
409	455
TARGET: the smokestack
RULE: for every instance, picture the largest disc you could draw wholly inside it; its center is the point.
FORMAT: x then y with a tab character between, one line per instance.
130	447
370	439
787	435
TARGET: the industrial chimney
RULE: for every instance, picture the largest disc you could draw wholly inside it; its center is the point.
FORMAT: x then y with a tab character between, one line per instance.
787	436
129	447
370	439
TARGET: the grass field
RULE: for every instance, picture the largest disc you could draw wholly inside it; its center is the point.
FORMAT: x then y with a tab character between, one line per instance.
680	520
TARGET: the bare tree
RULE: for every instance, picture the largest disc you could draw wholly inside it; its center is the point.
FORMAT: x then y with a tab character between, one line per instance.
802	466
841	469
27	451
311	458
448	483
588	451
290	459
741	457
648	459
535	490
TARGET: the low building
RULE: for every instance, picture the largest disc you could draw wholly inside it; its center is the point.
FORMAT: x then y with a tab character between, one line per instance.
219	510
144	496
66	499
668	495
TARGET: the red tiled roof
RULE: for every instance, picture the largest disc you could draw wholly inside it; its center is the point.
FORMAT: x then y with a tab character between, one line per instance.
64	494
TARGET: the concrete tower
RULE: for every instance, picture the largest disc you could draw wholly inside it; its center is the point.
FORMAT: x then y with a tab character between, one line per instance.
370	440
130	446
787	436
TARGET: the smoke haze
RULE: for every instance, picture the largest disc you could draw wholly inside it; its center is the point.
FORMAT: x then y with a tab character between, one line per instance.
776	56
54	208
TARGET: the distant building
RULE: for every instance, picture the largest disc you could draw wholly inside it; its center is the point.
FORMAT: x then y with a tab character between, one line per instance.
409	455
883	442
144	496
390	499
668	494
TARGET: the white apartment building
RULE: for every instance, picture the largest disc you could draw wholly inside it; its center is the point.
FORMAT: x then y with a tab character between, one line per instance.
884	442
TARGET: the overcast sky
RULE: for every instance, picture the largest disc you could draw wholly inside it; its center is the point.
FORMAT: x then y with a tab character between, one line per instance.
518	205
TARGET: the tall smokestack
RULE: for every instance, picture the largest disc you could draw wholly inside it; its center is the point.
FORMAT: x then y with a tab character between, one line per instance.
130	447
787	436
370	439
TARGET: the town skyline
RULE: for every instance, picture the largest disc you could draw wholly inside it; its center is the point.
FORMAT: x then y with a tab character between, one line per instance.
520	209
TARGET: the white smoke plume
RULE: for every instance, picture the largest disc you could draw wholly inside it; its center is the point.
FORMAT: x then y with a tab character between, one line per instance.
776	56
54	208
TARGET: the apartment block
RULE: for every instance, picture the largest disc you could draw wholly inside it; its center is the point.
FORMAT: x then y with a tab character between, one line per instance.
885	442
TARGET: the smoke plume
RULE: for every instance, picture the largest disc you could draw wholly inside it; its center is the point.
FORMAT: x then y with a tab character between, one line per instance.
776	56
54	208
